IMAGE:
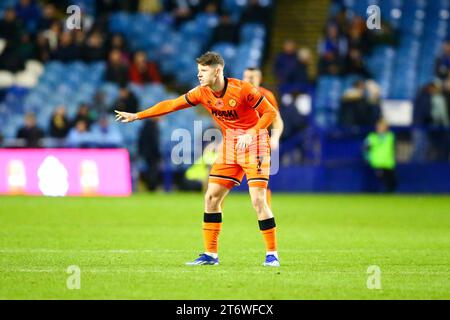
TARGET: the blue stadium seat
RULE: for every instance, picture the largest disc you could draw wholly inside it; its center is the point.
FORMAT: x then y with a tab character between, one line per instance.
226	50
252	31
119	22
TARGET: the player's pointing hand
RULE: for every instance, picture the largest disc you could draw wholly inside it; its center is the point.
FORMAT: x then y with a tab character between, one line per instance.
125	116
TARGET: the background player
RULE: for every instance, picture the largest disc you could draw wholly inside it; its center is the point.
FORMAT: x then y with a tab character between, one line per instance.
254	76
244	115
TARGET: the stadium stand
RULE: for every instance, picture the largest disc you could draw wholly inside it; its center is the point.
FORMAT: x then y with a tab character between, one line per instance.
43	66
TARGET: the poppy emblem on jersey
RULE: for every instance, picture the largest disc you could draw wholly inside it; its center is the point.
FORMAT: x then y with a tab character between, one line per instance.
219	103
232	103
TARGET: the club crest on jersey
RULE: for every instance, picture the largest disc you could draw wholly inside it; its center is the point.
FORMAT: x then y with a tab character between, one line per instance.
232	103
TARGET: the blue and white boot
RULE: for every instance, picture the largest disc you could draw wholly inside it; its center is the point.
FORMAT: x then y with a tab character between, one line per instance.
271	261
204	259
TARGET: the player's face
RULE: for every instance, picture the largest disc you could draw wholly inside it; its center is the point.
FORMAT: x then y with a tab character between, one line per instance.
207	75
252	76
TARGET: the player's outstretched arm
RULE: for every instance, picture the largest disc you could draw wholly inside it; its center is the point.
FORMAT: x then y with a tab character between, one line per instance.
159	109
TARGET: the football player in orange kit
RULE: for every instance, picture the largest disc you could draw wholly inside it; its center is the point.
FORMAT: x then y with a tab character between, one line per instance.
254	76
243	114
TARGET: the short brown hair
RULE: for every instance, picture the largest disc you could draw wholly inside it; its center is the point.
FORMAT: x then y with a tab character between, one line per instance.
210	58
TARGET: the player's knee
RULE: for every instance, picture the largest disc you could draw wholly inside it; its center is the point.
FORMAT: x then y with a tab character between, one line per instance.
259	203
212	200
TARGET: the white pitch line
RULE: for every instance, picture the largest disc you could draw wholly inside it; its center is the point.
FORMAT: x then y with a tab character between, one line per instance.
156	251
131	251
116	251
190	269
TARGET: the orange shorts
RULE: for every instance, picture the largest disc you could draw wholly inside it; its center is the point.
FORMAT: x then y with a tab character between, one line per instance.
231	164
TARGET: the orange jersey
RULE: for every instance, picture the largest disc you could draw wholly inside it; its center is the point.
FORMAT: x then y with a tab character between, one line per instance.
269	96
239	107
235	108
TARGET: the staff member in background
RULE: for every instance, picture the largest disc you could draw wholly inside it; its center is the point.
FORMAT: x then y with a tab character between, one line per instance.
380	154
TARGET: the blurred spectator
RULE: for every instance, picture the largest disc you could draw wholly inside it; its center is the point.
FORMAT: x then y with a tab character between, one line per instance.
48	17
116	70
29	12
52	35
30	132
439	115
442	65
386	35
118	42
106	135
255	13
42	48
79	39
340	20
304	60
446	93
126	101
106	7
356	41
422	106
298	77
150	6
225	31
380	154
293	120
356	109
94	49
79	136
59	124
11	30
143	71
333	43
373	98
286	62
182	10
439	136
26	49
329	64
354	64
421	120
99	103
359	24
66	51
84	113
149	150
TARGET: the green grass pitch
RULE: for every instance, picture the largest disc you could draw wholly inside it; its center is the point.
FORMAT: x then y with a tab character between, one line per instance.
135	248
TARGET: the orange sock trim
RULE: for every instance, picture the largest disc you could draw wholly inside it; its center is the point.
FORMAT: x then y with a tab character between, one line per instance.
270	239
211	232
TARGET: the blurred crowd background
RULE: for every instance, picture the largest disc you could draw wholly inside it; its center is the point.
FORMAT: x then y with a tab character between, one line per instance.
342	88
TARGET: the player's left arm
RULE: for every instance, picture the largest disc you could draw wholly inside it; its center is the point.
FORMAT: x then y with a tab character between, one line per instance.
267	114
266	111
277	124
